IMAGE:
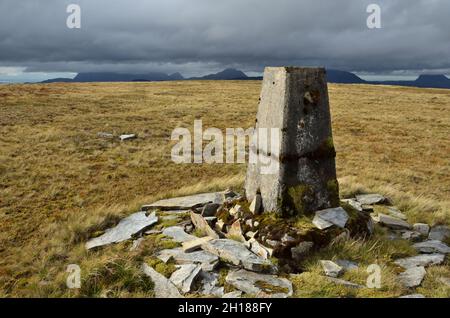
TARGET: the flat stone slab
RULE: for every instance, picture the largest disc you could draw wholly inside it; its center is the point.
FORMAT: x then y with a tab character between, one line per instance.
164	288
391	222
347	265
207	260
396	213
237	254
343	282
178	234
185	276
422	228
127	137
331	269
186	202
439	233
412	277
131	225
421	260
202	225
329	217
354	204
413	296
432	247
370	199
195	244
260	285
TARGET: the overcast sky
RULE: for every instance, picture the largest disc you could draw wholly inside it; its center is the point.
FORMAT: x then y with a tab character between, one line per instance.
196	37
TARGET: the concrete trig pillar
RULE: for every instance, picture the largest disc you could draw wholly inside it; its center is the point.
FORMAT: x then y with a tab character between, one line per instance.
295	101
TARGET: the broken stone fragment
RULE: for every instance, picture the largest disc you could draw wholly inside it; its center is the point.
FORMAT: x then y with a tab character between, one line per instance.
413	296
329	217
287	239
439	233
220	225
301	250
184	276
393	211
207	260
255	206
331	269
127	137
195	244
259	249
422	228
178	234
202	225
228	193
411	236
421	260
412	277
237	254
235	232
391	222
185	203
105	135
343	282
234	294
370	199
260	285
236	211
125	230
209	283
164	288
432	247
347	265
354	204
210	209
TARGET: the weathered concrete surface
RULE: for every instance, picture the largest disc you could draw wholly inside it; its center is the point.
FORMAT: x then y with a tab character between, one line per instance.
135	223
295	100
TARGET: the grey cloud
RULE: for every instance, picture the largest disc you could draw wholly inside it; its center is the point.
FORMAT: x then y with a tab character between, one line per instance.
203	35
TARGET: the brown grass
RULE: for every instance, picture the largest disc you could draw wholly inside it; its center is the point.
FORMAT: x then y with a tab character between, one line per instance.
58	180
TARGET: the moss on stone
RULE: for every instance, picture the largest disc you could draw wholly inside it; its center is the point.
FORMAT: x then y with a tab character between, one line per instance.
269	288
333	192
294	200
165	269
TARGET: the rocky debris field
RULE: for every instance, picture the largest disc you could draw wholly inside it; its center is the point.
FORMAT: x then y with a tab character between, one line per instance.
227	247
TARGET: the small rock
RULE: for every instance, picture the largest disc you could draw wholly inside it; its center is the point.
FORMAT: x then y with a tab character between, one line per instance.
412	277
301	250
411	236
439	233
184	277
347	265
234	294
329	217
260	285
193	245
210	209
413	296
153	232
236	211
255	224
396	213
344	282
164	288
235	232
251	234
420	260
331	269
125	230
178	234
354	204
370	199
260	250
207	260
422	228
228	193
105	135
209	283
273	243
391	222
432	247
237	254
202	225
286	239
127	137
255	206
136	244
220	225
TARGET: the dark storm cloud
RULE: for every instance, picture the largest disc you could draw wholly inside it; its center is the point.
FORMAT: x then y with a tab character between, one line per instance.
203	35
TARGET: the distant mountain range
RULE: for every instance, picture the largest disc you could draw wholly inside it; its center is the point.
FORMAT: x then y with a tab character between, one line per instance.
334	76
